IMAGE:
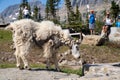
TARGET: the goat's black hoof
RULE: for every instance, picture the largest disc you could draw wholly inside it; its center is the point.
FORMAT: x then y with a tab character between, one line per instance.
47	68
27	68
20	68
57	69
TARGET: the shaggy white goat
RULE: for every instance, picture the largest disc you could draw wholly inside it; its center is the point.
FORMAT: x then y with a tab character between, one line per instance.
45	34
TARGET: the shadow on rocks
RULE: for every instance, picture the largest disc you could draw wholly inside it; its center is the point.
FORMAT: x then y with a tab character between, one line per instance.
116	65
38	69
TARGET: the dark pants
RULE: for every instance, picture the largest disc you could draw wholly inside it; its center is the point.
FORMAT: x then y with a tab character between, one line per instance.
108	29
26	16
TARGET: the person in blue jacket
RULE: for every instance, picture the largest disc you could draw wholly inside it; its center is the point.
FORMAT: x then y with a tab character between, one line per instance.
91	22
118	22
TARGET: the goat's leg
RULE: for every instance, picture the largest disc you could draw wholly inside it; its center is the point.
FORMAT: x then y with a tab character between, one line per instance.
56	62
26	66
18	61
17	52
48	63
56	65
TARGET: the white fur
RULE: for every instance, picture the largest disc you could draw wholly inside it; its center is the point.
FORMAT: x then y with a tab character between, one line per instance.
25	30
75	51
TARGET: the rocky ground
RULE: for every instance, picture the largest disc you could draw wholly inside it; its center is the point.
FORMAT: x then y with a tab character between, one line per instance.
34	74
92	72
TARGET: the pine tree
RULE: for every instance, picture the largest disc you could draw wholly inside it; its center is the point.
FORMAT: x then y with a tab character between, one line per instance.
20	14
39	15
87	20
35	16
47	9
114	9
71	15
51	9
78	15
68	6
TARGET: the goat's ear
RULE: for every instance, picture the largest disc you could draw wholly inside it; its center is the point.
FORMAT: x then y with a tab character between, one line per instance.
9	27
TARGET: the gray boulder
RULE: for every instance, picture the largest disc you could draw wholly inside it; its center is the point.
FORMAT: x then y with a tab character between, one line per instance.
114	35
93	40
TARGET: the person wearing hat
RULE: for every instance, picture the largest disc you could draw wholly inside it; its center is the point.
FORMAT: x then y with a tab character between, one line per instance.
118	22
108	24
91	22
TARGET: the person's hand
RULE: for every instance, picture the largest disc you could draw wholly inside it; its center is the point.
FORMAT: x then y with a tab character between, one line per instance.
111	20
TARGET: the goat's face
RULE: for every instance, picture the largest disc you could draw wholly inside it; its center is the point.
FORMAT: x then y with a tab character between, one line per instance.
72	54
75	49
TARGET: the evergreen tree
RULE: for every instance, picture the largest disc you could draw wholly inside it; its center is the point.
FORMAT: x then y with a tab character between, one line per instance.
78	15
74	18
20	14
51	9
47	9
71	15
87	20
114	9
35	16
39	15
24	3
68	6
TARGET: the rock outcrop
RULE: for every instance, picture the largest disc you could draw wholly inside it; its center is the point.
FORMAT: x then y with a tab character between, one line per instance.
93	40
114	35
100	72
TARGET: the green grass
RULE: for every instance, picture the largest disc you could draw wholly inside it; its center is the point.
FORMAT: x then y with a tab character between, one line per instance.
69	71
63	69
5	35
42	66
6	65
5	40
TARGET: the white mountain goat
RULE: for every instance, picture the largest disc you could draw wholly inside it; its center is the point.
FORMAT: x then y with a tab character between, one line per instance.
45	34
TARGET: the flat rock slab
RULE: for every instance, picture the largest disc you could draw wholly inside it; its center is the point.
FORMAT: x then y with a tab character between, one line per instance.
106	71
114	35
34	74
